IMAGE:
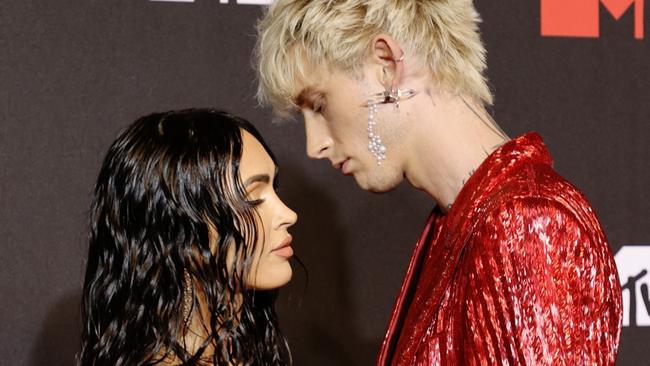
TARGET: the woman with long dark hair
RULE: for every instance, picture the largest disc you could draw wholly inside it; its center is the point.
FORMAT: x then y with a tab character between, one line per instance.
188	242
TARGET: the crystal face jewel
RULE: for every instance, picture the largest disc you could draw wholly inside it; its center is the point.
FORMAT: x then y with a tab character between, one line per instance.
375	146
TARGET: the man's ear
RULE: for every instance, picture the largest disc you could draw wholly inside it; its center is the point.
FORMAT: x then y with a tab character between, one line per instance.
387	53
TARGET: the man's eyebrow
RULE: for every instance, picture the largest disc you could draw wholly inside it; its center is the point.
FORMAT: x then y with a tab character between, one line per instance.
263	178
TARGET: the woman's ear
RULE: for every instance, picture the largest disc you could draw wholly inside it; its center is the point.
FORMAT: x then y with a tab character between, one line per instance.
387	53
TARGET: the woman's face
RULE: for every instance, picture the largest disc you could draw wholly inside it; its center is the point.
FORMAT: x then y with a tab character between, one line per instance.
270	268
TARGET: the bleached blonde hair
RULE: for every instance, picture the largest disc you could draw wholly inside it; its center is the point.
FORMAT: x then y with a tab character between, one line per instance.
296	36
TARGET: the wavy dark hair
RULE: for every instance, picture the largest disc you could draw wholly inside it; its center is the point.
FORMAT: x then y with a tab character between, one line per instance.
163	182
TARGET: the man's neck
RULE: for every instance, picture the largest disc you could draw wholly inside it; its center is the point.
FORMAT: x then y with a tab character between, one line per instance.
452	140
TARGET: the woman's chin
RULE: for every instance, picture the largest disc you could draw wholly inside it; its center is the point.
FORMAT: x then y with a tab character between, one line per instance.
280	276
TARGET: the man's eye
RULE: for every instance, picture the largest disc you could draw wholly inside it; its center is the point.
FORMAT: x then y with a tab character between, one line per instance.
319	107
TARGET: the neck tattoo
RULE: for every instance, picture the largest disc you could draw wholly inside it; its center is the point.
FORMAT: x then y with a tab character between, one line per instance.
471	172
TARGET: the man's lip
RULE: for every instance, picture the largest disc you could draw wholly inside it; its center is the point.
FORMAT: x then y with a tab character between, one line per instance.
340	165
344	167
284	243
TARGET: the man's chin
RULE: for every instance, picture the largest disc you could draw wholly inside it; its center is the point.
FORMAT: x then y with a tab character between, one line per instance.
374	187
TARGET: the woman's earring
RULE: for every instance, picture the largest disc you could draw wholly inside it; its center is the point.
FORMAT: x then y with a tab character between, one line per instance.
375	146
188	297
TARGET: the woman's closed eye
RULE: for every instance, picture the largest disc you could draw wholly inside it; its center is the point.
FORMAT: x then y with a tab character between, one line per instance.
258	201
256	187
255	202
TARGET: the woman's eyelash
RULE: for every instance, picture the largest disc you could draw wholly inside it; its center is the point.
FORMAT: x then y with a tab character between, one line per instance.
255	202
259	201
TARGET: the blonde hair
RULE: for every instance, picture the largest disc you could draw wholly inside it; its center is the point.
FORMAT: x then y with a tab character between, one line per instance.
295	36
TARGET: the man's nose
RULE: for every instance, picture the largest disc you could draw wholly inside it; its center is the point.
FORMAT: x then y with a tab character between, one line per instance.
319	140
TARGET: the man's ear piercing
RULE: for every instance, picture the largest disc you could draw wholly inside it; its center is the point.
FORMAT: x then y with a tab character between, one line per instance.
392	96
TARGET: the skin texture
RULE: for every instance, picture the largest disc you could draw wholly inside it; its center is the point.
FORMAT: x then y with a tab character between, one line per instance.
434	140
271	268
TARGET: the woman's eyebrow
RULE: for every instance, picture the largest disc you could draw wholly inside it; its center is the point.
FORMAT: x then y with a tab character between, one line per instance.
263	178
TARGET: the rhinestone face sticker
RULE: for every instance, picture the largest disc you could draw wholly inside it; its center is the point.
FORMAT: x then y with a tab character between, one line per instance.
375	146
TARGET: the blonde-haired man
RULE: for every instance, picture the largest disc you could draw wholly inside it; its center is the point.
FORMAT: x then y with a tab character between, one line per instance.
512	266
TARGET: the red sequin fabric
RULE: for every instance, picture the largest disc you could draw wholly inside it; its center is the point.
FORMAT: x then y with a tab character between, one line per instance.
518	272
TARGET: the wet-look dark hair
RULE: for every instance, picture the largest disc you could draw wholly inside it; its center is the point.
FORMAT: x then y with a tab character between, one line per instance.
164	180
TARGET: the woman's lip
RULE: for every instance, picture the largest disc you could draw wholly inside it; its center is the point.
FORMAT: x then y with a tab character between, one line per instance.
285	251
284	243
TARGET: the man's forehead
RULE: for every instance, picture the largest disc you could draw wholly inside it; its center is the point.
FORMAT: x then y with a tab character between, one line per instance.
312	82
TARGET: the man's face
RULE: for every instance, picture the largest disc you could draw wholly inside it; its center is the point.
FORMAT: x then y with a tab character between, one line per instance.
335	111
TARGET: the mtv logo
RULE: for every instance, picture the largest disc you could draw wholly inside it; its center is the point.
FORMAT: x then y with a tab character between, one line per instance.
633	262
581	18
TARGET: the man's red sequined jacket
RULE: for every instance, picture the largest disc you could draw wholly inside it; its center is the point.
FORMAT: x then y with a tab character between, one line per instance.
518	272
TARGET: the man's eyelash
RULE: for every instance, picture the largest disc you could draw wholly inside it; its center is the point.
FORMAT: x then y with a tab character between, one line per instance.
319	106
